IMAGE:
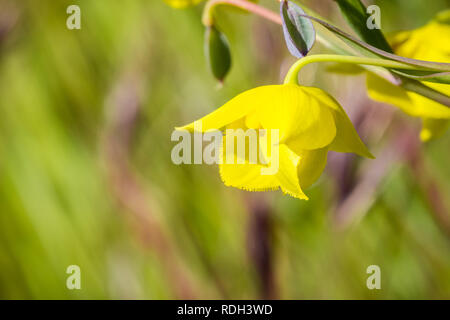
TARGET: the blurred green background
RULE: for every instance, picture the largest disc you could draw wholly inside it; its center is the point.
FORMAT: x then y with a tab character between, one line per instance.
86	176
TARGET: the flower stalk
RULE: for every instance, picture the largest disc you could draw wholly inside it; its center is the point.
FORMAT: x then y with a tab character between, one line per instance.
292	75
373	65
208	18
208	12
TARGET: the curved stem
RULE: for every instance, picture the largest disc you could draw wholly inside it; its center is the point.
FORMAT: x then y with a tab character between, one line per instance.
208	11
370	64
292	75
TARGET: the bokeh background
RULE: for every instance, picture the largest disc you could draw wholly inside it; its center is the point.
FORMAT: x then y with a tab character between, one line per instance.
86	176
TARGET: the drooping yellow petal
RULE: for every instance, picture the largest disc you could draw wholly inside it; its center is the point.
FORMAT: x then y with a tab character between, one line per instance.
289	108
247	177
252	121
287	173
247	105
235	109
299	116
291	129
181	4
425	43
311	165
433	128
347	139
237	170
411	103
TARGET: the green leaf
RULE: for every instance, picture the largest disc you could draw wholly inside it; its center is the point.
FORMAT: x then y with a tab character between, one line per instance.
299	32
421	75
356	15
372	51
217	51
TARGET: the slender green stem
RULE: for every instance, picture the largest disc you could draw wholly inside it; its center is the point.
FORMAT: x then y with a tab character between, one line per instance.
208	11
321	33
292	75
375	66
208	18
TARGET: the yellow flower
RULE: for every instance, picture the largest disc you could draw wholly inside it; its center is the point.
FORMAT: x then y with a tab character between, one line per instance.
426	43
308	122
181	4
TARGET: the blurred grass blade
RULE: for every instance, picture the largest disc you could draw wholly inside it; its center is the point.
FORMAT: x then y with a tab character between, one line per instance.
217	51
298	31
355	13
